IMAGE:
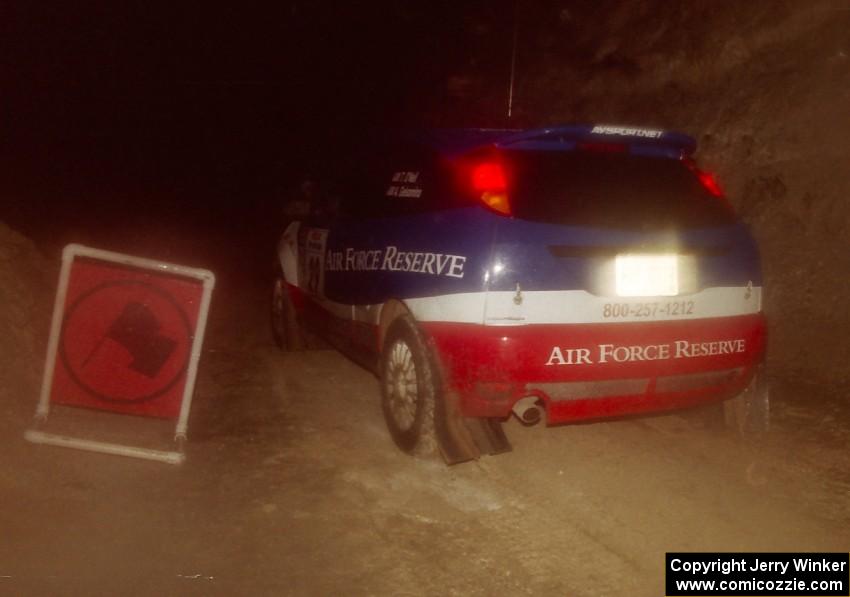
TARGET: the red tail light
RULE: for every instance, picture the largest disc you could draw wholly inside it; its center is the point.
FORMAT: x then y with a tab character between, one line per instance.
489	179
489	176
707	179
710	183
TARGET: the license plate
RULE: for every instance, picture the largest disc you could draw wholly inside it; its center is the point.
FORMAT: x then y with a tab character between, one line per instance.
647	275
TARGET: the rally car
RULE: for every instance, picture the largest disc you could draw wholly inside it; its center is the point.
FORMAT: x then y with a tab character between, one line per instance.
573	273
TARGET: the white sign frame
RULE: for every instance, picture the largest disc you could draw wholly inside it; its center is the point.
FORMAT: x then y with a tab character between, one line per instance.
69	253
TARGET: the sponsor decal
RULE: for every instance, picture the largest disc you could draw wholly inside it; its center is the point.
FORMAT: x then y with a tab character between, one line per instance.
616	353
311	275
392	260
624	131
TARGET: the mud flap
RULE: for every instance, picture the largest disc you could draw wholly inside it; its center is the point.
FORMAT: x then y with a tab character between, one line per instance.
464	438
460	438
747	415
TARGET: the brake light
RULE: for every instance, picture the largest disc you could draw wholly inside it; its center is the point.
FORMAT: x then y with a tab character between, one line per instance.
488	179
710	183
706	179
489	176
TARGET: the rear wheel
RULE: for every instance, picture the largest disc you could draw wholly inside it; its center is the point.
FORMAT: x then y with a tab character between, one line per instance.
409	388
286	330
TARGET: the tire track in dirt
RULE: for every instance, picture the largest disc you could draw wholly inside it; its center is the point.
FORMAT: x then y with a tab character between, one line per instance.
504	534
587	509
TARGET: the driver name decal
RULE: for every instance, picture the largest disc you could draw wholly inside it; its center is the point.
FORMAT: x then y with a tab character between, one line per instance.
392	260
613	353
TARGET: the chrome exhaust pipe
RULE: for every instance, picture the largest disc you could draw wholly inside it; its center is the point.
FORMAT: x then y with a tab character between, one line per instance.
528	411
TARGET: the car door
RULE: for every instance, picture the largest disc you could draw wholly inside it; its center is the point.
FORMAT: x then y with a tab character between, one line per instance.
409	237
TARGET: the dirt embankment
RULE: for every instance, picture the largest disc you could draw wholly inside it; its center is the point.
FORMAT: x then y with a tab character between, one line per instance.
765	88
26	281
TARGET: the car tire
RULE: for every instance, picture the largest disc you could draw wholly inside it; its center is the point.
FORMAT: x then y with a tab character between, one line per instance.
286	330
409	388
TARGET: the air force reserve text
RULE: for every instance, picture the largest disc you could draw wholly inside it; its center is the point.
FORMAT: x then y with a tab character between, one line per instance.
393	260
612	353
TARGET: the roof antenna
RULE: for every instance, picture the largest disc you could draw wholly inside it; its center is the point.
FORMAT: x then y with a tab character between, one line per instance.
513	61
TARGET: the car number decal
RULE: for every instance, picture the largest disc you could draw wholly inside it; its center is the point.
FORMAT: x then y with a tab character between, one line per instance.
312	275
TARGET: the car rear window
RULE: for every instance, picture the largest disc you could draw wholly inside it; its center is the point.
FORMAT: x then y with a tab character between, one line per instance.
609	190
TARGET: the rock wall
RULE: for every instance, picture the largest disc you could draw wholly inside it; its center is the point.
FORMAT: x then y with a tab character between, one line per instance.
26	287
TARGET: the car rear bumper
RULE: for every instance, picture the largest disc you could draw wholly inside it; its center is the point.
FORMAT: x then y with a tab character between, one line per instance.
589	371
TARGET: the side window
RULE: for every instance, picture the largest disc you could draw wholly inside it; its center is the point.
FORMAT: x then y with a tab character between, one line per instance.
406	184
398	180
391	183
411	184
349	192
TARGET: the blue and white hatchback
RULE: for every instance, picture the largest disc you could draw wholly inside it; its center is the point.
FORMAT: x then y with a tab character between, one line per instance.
571	273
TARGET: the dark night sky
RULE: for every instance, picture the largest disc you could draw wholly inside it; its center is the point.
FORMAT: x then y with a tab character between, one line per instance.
142	107
142	80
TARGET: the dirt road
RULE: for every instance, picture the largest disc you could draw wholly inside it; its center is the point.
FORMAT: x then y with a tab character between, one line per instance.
293	486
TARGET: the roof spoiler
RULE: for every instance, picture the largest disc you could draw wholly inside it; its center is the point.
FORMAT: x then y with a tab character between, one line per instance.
643	140
571	135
